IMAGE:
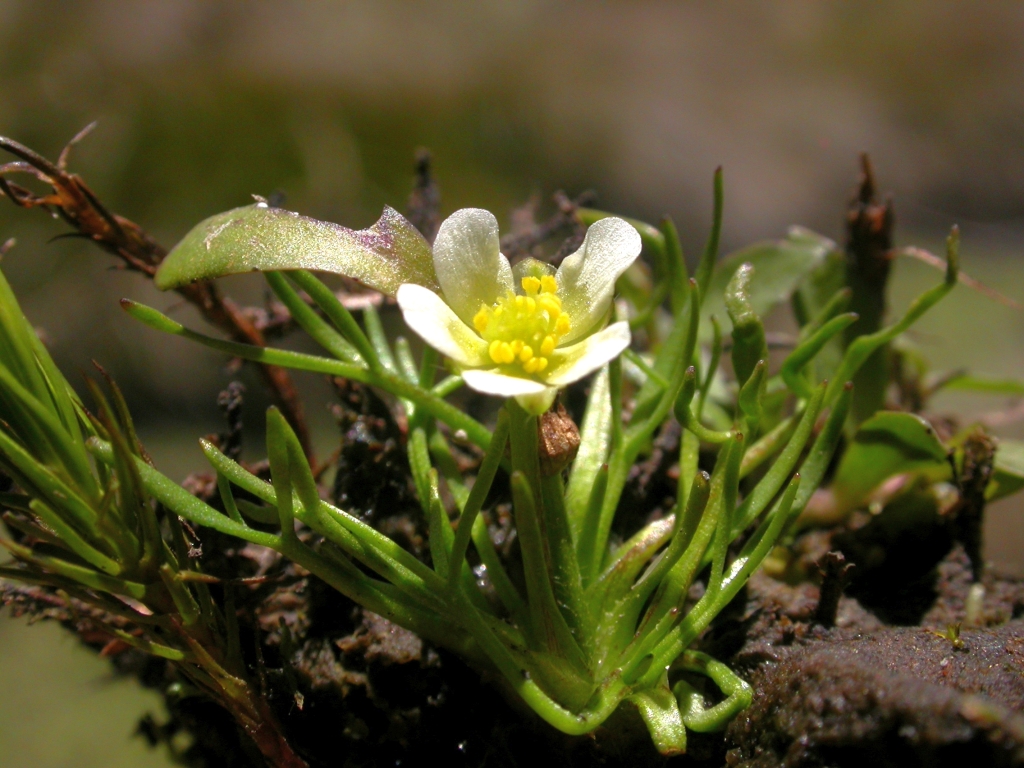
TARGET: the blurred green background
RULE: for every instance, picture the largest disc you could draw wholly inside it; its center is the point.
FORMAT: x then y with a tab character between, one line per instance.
201	104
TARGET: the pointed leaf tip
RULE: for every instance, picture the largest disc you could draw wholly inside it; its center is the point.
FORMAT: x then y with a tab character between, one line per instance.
258	237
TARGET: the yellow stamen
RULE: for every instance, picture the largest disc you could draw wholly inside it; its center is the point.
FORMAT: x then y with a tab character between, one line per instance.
522	332
531	285
549	303
481	318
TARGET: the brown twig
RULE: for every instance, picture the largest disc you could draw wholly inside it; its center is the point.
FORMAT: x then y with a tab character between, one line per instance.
835	575
522	243
78	206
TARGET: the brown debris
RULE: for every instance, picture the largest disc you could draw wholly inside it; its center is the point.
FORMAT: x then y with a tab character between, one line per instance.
559	440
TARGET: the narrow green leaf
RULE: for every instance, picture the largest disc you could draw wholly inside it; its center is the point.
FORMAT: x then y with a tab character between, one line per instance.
310	321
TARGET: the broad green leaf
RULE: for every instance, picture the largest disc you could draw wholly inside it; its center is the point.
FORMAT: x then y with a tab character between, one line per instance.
887	444
779	267
258	237
1008	475
985	385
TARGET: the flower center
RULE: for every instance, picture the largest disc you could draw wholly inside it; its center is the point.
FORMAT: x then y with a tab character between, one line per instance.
524	330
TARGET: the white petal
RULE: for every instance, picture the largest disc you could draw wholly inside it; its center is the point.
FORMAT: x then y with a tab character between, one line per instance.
586	279
427	314
471	269
494	383
572	363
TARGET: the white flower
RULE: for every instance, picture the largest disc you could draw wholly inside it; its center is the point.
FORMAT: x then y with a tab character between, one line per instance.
528	331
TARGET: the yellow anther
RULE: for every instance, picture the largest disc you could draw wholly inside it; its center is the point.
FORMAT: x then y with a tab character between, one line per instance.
523	331
531	285
480	319
549	303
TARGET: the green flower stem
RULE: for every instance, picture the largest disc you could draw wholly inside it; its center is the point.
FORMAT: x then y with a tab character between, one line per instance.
428	400
549	631
553	551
